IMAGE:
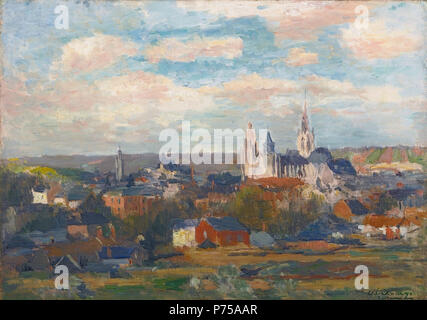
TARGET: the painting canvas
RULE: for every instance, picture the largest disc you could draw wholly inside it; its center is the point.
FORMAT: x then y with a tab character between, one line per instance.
199	150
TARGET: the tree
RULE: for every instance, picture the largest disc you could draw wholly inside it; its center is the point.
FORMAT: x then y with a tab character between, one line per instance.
156	224
385	203
300	213
251	209
95	204
15	188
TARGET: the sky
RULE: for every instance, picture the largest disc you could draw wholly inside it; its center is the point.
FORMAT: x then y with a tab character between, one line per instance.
124	71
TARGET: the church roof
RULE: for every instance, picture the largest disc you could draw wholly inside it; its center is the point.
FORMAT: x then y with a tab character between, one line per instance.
226	224
320	155
341	166
270	143
292	157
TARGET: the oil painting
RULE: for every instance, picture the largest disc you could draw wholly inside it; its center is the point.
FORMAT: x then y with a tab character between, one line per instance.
213	150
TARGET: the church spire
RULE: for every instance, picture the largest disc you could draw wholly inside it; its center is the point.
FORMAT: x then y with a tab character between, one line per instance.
304	121
305	140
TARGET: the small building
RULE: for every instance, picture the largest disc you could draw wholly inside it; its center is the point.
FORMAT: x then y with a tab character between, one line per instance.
184	233
76	196
122	256
391	227
350	209
86	225
60	199
226	231
131	201
77	255
40	194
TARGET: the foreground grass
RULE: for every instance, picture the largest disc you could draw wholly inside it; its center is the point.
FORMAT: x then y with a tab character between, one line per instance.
395	273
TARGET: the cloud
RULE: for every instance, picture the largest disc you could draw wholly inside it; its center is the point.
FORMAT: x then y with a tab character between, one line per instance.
175	50
286	19
325	90
258	94
299	57
281	97
148	90
379	42
93	53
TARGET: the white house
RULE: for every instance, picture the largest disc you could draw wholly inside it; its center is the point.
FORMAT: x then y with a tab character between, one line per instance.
60	199
184	233
39	194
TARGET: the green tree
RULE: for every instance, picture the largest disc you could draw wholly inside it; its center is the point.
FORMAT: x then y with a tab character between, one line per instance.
301	212
15	188
251	209
385	203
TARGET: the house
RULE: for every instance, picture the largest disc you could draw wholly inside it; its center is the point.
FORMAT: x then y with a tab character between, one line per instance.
40	194
76	196
122	256
224	231
184	233
77	254
171	190
349	209
133	200
60	199
85	225
326	227
392	227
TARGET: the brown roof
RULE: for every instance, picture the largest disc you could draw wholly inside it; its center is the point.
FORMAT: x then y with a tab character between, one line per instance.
379	221
90	246
288	183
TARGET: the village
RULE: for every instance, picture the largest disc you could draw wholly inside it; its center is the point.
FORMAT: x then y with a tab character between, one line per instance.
117	222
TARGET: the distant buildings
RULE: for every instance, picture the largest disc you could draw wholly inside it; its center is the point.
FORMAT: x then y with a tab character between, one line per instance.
305	140
60	199
314	165
76	196
86	225
131	201
40	194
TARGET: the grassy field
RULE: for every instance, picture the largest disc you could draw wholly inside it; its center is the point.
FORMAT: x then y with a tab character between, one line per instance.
395	272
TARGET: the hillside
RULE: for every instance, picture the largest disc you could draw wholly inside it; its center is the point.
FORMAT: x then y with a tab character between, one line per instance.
398	158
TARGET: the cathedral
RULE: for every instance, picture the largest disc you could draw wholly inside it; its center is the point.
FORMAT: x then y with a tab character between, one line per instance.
307	162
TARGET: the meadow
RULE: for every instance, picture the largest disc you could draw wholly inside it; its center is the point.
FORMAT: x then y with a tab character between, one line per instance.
396	271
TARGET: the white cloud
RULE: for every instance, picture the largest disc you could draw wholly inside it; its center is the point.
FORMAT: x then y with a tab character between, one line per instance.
93	53
176	50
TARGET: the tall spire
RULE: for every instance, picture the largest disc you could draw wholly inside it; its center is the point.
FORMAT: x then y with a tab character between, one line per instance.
304	120
120	168
305	140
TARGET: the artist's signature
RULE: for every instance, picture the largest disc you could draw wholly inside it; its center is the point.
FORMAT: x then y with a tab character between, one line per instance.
392	293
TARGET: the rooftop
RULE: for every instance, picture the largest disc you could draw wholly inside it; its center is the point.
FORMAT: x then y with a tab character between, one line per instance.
226	223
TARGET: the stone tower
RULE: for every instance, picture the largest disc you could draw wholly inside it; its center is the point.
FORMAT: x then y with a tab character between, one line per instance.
250	153
120	168
305	140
